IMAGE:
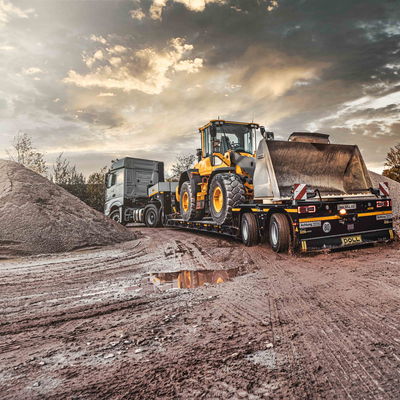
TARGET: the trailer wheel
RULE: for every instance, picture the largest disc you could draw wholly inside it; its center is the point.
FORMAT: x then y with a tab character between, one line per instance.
279	233
226	192
249	229
188	203
152	216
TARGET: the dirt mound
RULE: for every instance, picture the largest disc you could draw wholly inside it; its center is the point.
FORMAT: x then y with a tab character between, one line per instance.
394	188
37	216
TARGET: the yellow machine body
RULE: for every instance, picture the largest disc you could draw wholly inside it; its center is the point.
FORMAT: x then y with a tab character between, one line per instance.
212	156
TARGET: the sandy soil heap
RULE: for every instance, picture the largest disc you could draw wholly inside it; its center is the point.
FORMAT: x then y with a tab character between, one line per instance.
394	188
37	216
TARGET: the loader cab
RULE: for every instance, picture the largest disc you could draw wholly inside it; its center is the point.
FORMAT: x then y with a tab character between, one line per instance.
221	137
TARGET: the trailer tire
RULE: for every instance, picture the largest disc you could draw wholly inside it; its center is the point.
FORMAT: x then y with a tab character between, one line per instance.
249	229
187	203
226	192
279	233
152	216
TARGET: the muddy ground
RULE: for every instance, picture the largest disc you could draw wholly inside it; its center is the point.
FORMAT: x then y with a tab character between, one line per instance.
105	324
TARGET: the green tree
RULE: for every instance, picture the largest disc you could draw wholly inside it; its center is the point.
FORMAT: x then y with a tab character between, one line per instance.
61	170
393	162
181	164
68	177
24	153
96	189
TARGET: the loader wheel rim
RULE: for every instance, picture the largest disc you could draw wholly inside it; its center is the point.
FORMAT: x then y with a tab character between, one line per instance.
218	199
274	233
185	201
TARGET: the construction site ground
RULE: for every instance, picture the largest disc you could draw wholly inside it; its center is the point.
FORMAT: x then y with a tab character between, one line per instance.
109	323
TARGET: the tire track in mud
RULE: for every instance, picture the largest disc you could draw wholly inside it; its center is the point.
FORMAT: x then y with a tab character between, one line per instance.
343	367
339	346
331	336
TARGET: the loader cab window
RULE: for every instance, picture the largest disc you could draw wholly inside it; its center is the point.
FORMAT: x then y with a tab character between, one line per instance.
207	142
236	137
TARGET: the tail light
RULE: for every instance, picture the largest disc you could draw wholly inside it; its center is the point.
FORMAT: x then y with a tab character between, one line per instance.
306	209
384	203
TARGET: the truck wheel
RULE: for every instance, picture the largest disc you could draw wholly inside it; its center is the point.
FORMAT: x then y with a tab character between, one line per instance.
226	192
115	216
249	229
188	203
152	217
279	233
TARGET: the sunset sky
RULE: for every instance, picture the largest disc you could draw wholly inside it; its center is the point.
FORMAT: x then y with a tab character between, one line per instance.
104	79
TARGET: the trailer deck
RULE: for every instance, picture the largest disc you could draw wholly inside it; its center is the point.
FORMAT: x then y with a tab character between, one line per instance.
324	228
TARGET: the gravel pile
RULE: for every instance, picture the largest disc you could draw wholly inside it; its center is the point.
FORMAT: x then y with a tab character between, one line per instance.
394	188
37	216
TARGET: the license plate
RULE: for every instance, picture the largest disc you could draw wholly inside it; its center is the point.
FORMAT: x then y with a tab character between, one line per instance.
349	240
351	206
381	217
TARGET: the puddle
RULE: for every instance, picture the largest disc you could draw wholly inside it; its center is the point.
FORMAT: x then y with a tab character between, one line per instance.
192	279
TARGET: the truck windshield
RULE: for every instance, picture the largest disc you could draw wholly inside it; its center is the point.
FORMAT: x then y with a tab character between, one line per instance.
234	137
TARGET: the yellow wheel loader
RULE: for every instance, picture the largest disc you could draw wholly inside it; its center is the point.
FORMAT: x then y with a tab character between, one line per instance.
223	176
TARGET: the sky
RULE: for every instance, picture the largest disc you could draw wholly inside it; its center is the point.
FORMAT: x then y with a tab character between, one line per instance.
99	80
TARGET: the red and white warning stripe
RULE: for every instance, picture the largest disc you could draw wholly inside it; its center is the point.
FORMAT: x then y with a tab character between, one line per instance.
384	189
299	191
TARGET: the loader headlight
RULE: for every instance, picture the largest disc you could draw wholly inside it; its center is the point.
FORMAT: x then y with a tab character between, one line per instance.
342	212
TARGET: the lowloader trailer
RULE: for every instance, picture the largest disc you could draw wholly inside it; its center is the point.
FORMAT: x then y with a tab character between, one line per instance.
303	194
295	226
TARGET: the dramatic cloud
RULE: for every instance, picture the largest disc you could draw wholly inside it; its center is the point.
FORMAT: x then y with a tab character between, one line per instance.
8	11
137	14
138	77
146	70
193	5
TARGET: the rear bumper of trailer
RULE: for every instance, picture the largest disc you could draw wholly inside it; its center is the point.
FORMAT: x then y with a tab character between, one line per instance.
354	239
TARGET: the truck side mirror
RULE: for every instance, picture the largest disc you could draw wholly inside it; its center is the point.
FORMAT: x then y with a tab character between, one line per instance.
266	135
199	154
270	135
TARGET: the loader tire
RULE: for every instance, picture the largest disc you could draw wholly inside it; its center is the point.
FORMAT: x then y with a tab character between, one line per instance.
279	233
187	203
249	229
226	192
152	216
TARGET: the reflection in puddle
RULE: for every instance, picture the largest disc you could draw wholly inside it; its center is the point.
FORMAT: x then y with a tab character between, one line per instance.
192	279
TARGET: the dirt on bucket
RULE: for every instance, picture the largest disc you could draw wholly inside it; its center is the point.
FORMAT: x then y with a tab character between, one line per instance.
37	216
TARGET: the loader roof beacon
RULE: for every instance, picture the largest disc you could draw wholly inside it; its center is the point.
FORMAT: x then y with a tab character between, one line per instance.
301	194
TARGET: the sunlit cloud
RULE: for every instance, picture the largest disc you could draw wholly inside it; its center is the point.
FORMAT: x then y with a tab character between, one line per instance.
147	70
32	71
8	11
193	5
138	77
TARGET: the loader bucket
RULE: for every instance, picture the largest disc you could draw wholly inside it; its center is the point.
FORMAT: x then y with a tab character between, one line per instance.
333	169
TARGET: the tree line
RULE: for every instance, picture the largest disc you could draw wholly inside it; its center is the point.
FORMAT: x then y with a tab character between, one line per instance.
92	189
